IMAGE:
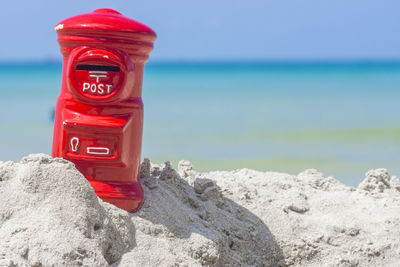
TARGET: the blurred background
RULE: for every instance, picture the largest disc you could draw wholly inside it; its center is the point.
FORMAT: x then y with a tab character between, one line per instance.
269	85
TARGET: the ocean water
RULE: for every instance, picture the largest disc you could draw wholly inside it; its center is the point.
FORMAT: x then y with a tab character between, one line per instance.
340	118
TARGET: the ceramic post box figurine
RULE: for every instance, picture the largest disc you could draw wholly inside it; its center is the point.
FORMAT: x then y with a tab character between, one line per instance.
99	113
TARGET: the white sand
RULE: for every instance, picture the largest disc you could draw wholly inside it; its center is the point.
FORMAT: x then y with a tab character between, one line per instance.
49	215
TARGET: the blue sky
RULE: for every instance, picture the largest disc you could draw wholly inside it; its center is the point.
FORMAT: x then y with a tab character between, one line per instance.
222	29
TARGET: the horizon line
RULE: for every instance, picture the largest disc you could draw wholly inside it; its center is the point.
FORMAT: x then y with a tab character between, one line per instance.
225	61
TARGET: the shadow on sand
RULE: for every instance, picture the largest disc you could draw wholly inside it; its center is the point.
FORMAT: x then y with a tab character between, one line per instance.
213	229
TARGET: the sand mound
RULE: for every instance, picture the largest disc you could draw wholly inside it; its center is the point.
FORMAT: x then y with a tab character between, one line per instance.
50	216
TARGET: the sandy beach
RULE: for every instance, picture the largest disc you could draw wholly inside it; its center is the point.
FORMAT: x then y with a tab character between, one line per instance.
50	216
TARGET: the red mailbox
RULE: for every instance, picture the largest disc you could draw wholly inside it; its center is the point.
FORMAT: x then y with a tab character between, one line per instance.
99	113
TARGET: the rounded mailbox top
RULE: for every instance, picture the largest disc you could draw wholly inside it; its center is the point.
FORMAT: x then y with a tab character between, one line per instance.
105	20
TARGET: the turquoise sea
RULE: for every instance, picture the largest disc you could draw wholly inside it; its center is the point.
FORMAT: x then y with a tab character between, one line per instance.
340	118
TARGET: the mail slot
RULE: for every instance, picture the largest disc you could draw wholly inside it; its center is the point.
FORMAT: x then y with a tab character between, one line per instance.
99	112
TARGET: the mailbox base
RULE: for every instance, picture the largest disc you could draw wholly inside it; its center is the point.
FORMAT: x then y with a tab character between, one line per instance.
126	196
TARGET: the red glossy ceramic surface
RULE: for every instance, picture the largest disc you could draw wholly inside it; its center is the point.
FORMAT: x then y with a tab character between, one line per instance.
99	113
